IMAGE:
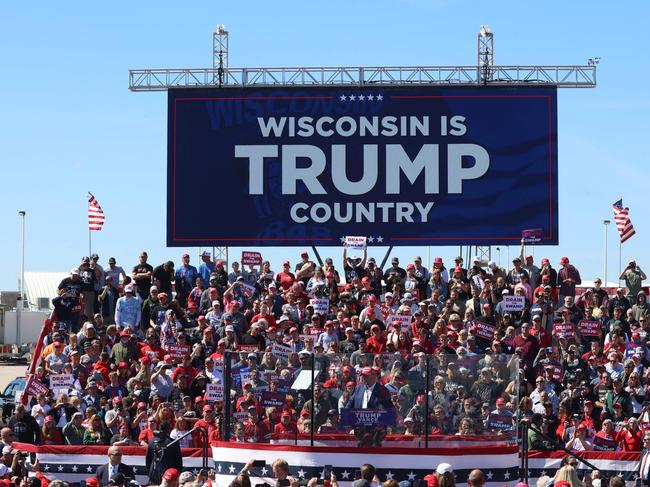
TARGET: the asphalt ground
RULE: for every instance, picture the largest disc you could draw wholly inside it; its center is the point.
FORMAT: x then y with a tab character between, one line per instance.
9	372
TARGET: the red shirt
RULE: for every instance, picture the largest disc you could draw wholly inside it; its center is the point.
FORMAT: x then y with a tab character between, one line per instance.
590	424
145	435
150	351
285	280
256	431
291	428
630	440
210	429
270	319
415	327
530	346
213	437
376	344
190	372
333	383
600	358
542	336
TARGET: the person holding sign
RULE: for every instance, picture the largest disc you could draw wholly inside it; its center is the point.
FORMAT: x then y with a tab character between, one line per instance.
500	419
566	329
354	266
605	439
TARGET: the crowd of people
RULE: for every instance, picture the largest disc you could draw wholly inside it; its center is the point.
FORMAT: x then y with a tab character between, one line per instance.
463	350
444	475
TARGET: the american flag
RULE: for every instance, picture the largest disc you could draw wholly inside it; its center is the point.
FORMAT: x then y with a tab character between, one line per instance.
95	214
623	222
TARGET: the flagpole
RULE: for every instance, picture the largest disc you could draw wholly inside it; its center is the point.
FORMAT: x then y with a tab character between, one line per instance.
90	240
605	224
620	260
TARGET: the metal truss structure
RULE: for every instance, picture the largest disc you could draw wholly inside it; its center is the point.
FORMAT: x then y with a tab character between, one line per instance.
559	76
220	47
484	73
485	53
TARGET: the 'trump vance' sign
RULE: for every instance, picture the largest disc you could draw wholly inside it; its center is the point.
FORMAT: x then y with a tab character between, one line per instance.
405	166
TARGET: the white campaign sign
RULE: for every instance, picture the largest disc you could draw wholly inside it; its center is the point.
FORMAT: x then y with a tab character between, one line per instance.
403	320
61	381
356	243
214	392
281	351
321	306
514	303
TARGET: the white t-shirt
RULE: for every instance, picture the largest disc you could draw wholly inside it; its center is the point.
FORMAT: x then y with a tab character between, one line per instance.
36	409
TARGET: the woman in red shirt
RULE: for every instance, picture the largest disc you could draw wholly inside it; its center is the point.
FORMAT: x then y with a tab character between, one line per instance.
377	341
630	437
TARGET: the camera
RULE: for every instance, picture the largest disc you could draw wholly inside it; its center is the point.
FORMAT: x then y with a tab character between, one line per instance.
327	473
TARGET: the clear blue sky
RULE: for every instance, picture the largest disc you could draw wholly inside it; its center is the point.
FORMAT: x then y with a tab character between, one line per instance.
69	125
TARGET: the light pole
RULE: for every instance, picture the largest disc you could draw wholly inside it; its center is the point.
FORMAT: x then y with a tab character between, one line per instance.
21	303
22	256
499	254
605	224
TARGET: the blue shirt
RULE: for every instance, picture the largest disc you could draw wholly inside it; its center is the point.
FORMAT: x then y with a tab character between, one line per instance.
205	269
185	278
127	312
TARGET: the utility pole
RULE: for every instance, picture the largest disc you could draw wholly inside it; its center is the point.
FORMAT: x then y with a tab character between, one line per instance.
21	298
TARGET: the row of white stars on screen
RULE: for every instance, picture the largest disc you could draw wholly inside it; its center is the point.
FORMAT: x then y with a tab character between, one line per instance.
370	239
361	97
89	469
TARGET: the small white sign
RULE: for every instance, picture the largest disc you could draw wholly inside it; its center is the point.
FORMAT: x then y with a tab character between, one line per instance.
303	381
61	381
403	320
320	305
514	303
356	243
214	392
281	351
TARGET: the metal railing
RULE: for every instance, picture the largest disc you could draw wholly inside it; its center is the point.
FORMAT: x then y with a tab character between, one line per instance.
435	413
526	425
